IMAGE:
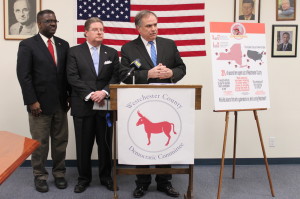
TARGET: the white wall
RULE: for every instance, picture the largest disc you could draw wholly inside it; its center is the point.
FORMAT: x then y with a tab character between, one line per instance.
280	121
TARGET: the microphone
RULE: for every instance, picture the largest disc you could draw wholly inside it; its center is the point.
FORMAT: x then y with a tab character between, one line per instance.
136	64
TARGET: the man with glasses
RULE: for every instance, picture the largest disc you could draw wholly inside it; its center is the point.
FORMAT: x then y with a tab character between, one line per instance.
91	67
24	25
41	70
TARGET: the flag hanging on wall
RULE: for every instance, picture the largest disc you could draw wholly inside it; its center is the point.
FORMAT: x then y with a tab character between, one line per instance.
179	20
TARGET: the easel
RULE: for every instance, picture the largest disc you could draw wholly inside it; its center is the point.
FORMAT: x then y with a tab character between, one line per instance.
135	171
234	148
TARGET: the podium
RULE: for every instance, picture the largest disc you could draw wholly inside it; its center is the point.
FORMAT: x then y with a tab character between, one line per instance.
14	149
135	171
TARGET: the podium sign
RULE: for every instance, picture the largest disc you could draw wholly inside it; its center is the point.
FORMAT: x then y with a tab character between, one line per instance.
156	126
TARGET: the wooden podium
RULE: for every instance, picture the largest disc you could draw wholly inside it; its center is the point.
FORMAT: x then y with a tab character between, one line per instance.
134	171
14	149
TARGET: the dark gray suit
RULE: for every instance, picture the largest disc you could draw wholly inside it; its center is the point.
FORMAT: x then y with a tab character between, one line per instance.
90	124
288	48
242	17
168	55
44	82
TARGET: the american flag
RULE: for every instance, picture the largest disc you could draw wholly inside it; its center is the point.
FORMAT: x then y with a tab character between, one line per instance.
179	20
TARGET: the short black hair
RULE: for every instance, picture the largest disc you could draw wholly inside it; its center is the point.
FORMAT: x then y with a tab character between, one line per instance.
286	33
41	13
249	1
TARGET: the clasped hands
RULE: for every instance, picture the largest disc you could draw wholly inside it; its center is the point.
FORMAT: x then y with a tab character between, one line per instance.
160	71
98	97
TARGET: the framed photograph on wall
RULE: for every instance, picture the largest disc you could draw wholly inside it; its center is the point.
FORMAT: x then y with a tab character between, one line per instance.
247	11
284	40
285	10
20	18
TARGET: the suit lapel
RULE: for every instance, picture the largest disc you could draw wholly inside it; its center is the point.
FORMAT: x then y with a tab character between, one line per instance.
86	54
44	49
102	58
58	53
159	49
141	48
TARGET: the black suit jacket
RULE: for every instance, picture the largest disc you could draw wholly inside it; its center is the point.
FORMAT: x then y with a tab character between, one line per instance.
167	54
40	79
288	48
242	17
83	78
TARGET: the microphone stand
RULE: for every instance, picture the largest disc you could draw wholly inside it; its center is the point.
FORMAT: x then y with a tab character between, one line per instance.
133	78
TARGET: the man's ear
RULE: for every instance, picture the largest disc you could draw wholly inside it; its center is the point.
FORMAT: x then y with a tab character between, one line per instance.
137	28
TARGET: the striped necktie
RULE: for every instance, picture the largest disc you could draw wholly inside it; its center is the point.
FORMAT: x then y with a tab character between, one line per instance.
153	53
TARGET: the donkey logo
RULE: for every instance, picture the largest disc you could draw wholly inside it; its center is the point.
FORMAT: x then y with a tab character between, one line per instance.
156	128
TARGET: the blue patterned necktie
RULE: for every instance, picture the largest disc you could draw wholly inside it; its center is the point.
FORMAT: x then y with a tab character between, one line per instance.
95	57
153	53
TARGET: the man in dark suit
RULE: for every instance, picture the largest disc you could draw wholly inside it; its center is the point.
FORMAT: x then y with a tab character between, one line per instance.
160	63
285	45
91	67
42	76
247	9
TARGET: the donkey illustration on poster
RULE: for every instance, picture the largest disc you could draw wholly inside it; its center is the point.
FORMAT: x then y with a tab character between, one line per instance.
160	127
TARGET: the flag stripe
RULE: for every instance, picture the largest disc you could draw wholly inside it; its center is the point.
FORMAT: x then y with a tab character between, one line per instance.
165	31
131	37
177	13
167	2
186	54
180	48
167	7
177	19
122	42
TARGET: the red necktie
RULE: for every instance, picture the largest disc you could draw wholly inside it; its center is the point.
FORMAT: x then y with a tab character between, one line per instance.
51	50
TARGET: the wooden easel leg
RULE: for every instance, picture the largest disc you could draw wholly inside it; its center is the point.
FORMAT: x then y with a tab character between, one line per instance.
223	156
264	152
115	154
189	194
234	145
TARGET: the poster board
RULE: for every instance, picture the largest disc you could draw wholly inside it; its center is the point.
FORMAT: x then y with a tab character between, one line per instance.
159	113
239	65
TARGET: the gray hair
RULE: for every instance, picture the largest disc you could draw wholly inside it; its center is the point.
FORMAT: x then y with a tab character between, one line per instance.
143	13
89	21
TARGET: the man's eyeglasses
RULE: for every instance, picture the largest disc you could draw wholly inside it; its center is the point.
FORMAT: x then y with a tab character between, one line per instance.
97	30
50	21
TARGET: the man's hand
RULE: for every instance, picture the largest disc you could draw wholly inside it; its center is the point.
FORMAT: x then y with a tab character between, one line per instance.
68	103
165	73
98	96
160	71
35	109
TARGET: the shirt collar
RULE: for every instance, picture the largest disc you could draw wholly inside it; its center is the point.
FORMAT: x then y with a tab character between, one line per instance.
45	39
90	45
146	43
